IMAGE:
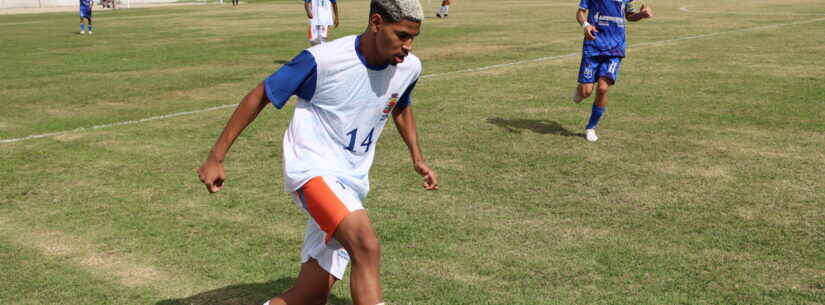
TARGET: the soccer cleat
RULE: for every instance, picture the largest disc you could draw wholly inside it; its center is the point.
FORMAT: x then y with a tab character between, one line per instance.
577	97
83	32
590	134
438	15
90	32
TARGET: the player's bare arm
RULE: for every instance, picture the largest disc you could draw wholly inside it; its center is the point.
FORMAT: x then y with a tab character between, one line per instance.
589	30
211	172
335	13
643	13
405	123
308	9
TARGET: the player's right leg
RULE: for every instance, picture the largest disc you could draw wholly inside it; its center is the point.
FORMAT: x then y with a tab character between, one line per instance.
313	35
82	26
312	287
587	77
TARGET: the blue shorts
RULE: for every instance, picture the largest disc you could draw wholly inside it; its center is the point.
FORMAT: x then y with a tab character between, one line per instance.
86	12
592	68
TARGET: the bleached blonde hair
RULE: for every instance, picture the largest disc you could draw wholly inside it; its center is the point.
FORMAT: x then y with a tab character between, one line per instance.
396	10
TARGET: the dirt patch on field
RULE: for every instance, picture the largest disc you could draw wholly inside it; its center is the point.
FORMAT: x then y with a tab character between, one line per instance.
27	10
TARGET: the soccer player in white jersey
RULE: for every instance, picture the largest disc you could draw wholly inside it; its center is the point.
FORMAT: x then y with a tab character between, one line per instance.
603	23
347	89
444	9
323	15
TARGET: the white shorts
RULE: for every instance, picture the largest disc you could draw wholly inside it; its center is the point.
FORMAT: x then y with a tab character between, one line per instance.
318	33
327	200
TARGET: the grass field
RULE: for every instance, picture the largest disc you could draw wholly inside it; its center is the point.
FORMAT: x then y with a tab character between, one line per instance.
706	186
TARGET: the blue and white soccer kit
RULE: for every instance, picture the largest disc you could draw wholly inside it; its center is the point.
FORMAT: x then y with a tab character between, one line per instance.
602	57
343	106
86	9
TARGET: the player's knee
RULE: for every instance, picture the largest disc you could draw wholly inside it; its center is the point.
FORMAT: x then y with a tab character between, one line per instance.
366	247
602	90
586	91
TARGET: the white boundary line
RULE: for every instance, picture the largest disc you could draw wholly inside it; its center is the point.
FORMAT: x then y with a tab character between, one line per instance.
81	129
540	59
686	10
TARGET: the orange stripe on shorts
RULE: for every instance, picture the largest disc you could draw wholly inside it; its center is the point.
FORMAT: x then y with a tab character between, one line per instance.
323	205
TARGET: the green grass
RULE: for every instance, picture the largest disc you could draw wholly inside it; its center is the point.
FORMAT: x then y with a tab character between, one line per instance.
706	187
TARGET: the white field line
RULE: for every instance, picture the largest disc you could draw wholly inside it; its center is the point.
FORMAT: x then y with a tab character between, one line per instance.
82	129
634	46
540	59
686	10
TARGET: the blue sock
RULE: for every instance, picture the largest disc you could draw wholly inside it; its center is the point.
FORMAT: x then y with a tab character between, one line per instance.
90	28
595	116
82	27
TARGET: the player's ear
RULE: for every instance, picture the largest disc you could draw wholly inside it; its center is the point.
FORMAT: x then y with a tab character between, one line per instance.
376	21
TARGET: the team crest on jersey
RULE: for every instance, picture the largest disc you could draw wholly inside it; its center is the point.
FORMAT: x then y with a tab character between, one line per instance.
588	73
390	105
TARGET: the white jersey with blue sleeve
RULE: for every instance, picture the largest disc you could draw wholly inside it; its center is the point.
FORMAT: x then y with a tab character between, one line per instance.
609	18
343	105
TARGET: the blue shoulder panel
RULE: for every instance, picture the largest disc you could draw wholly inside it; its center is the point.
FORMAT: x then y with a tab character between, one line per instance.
405	98
298	77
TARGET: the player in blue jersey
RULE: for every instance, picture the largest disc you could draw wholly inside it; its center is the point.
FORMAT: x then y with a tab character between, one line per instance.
86	13
603	22
347	90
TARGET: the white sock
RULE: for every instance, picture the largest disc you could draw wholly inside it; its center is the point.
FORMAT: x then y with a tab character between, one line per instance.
267	303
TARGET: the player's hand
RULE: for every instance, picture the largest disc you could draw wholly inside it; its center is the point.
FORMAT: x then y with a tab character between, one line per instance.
590	32
646	12
430	177
212	175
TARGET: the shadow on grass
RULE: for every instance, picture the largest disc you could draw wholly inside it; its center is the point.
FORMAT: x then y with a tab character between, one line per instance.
537	126
280	62
244	294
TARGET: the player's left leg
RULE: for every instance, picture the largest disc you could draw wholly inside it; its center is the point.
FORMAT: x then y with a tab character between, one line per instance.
89	26
358	237
82	26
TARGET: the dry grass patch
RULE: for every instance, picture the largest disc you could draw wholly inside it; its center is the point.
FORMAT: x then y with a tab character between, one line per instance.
127	270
